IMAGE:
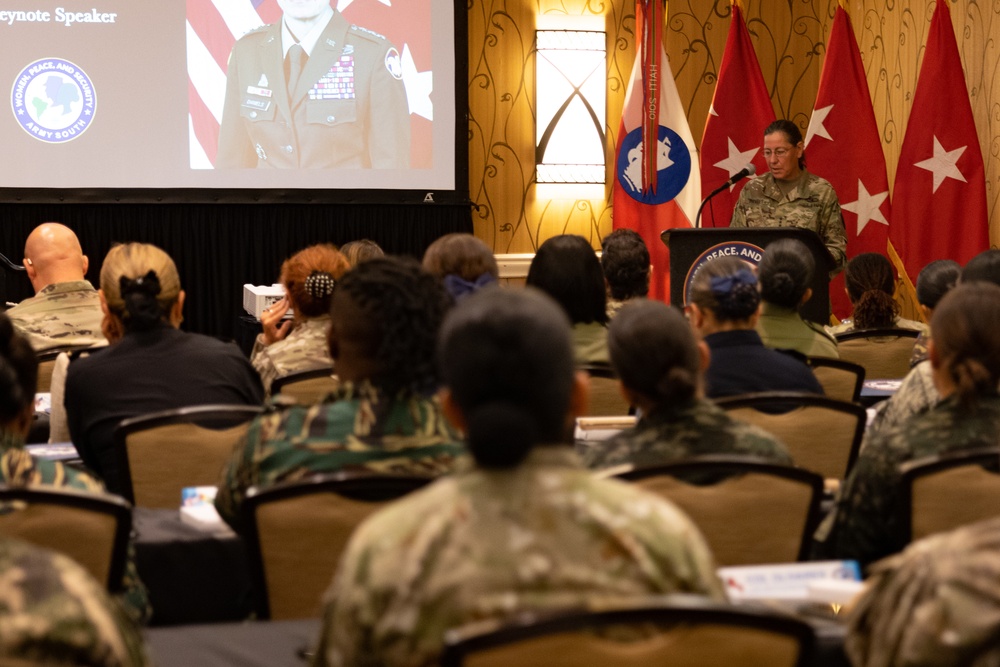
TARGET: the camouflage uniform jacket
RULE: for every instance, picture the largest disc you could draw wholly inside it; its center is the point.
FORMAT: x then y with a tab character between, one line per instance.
812	205
865	524
784	329
355	428
676	433
53	612
937	603
916	394
21	469
60	315
484	546
303	349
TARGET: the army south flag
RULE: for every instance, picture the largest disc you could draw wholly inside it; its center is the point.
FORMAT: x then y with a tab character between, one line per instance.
939	197
734	132
656	185
844	147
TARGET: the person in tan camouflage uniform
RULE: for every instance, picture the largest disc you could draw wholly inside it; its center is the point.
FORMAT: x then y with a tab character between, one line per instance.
789	196
18	468
299	344
65	310
528	529
52	612
385	314
965	360
659	363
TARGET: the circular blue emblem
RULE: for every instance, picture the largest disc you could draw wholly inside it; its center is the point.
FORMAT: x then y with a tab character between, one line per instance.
673	166
747	252
53	100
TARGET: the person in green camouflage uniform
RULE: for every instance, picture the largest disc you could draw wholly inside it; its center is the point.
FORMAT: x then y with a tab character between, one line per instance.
935	604
299	344
654	353
965	360
18	468
384	317
527	529
52	612
65	310
789	196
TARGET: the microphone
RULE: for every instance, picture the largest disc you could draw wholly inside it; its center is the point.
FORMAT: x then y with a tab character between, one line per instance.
748	170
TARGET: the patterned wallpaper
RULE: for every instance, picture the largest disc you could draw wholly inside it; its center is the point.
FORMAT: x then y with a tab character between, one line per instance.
789	36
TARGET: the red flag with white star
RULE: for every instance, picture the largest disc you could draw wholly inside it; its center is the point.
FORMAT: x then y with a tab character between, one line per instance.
734	133
939	198
844	147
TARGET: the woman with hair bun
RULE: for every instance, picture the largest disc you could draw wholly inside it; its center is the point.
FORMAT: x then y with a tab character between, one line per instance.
151	365
724	308
965	360
527	529
299	344
785	273
660	364
870	283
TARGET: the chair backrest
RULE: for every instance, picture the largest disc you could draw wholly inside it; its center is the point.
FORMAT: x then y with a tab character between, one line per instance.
606	399
884	353
678	632
822	434
47	362
840	379
296	532
306	387
753	513
941	493
161	453
91	529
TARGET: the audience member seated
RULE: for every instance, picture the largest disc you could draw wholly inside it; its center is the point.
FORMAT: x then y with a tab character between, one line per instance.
870	283
567	269
52	612
65	310
360	251
933	282
18	380
965	358
151	364
463	264
724	301
659	365
937	604
785	273
625	261
527	529
385	417
299	344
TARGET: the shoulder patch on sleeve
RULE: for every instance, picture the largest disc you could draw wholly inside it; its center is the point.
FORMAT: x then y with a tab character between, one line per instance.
393	63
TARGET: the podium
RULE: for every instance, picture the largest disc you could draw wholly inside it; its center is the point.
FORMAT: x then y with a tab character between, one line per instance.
691	248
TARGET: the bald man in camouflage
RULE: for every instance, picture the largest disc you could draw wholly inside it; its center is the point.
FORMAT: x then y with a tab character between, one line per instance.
65	310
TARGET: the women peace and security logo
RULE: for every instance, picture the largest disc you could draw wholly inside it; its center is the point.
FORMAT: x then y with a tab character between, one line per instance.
53	100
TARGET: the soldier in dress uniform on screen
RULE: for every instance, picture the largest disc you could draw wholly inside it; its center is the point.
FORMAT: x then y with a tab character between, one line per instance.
314	92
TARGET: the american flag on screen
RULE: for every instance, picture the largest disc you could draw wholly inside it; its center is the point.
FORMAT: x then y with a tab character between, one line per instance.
213	26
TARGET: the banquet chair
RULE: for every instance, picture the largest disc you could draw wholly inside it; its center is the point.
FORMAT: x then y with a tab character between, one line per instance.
91	529
822	434
306	387
840	379
161	453
883	353
679	631
940	493
296	532
750	511
606	399
47	362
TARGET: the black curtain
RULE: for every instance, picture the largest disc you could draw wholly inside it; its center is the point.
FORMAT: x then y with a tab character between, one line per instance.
219	247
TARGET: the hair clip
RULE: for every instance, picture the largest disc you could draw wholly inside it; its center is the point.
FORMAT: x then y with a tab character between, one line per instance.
722	285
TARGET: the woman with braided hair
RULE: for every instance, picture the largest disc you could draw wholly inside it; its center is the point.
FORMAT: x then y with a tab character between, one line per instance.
299	344
724	311
965	359
870	282
150	365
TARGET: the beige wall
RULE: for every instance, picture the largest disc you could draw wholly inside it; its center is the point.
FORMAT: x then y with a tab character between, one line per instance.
789	38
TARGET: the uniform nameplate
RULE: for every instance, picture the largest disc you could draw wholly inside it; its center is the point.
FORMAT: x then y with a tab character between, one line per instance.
261	105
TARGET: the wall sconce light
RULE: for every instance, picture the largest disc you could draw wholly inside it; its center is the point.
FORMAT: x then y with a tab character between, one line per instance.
570	97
